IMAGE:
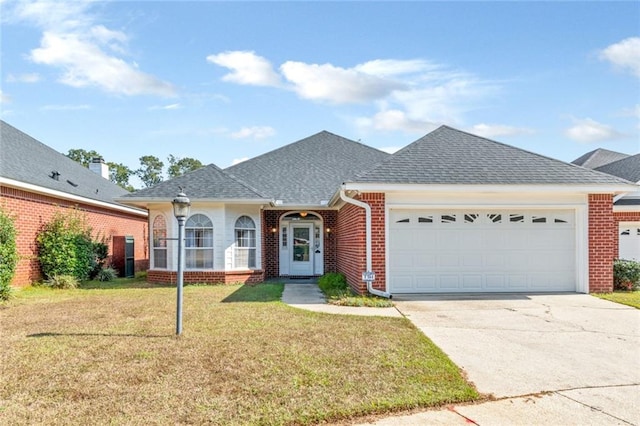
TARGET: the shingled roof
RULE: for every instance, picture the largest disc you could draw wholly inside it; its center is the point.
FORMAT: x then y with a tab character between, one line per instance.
26	160
451	156
627	168
308	171
598	157
210	182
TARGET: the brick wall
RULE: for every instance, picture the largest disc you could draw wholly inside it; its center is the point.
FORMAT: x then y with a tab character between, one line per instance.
623	217
271	241
602	242
210	277
351	242
32	211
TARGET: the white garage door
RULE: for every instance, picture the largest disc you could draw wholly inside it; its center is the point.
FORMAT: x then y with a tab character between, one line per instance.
629	242
447	251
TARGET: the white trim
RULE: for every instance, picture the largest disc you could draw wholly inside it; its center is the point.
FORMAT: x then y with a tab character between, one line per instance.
559	188
66	196
635	208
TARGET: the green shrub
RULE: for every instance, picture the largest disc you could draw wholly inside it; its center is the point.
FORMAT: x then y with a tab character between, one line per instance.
100	252
107	274
332	281
8	254
62	282
65	247
626	274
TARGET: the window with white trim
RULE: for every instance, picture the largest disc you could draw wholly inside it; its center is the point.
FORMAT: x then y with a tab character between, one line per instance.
159	242
245	250
199	242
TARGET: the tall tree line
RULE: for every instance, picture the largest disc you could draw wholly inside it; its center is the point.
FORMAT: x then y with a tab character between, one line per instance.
150	171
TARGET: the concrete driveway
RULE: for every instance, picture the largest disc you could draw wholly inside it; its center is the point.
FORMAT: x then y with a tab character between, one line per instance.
514	345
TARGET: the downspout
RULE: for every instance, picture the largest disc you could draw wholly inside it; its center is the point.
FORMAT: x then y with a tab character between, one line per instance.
367	210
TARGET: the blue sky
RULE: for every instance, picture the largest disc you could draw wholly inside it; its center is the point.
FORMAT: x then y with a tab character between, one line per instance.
223	81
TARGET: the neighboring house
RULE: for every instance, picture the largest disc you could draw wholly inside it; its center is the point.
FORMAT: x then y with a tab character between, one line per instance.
626	208
37	181
451	212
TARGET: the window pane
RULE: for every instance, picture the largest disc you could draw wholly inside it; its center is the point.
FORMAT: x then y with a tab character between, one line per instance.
160	258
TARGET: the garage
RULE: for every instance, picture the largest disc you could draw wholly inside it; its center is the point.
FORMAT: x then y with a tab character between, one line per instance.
629	242
489	250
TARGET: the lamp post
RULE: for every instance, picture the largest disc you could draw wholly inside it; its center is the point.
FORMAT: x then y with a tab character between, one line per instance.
181	206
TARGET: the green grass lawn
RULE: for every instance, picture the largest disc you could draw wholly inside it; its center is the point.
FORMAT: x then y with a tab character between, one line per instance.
108	355
630	298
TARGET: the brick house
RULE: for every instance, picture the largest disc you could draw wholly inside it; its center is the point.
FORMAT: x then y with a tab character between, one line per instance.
451	212
37	181
626	207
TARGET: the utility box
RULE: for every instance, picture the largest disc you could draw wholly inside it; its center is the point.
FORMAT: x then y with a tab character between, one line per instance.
124	256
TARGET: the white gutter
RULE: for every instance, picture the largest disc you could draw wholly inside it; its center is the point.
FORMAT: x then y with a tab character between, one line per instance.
367	210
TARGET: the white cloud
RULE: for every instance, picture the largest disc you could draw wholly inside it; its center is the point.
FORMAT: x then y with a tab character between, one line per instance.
334	84
4	98
85	64
624	54
246	68
255	132
393	67
23	78
587	130
238	160
390	149
166	107
73	42
496	130
392	120
65	107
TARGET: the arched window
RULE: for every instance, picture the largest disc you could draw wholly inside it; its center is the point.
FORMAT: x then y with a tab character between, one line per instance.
159	242
245	251
199	242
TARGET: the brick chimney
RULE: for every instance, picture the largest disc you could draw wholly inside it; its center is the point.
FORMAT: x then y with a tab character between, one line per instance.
97	165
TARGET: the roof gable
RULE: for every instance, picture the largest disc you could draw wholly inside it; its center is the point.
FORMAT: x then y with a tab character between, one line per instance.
598	157
627	168
27	160
308	171
450	156
208	182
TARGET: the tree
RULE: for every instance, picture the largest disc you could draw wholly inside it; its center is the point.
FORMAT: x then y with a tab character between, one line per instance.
82	156
8	253
179	166
120	174
151	171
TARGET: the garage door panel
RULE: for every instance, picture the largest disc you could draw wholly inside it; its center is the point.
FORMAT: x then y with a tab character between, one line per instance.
629	241
482	251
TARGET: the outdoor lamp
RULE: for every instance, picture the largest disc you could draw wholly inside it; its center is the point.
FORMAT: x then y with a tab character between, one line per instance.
181	206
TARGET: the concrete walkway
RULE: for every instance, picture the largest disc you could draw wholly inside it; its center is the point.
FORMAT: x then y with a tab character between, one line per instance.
305	295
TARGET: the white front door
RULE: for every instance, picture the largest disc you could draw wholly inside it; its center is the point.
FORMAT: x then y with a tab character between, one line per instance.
301	255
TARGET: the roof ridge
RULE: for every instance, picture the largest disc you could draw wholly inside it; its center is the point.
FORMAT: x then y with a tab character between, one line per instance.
243	183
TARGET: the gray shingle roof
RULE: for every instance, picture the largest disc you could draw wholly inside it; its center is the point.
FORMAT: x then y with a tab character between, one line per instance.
24	159
450	156
307	171
627	168
598	157
208	182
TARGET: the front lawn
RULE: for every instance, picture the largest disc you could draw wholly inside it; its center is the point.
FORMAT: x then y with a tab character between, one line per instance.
96	356
630	298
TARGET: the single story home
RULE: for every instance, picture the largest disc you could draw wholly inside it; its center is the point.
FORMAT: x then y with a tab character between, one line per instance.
36	182
451	212
626	207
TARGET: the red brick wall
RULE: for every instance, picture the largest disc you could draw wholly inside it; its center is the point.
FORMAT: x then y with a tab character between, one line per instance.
623	217
351	242
32	211
210	277
271	241
602	242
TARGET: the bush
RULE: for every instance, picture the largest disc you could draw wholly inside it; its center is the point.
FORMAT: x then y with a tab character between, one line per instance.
100	253
65	248
8	254
626	274
107	274
62	282
332	281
